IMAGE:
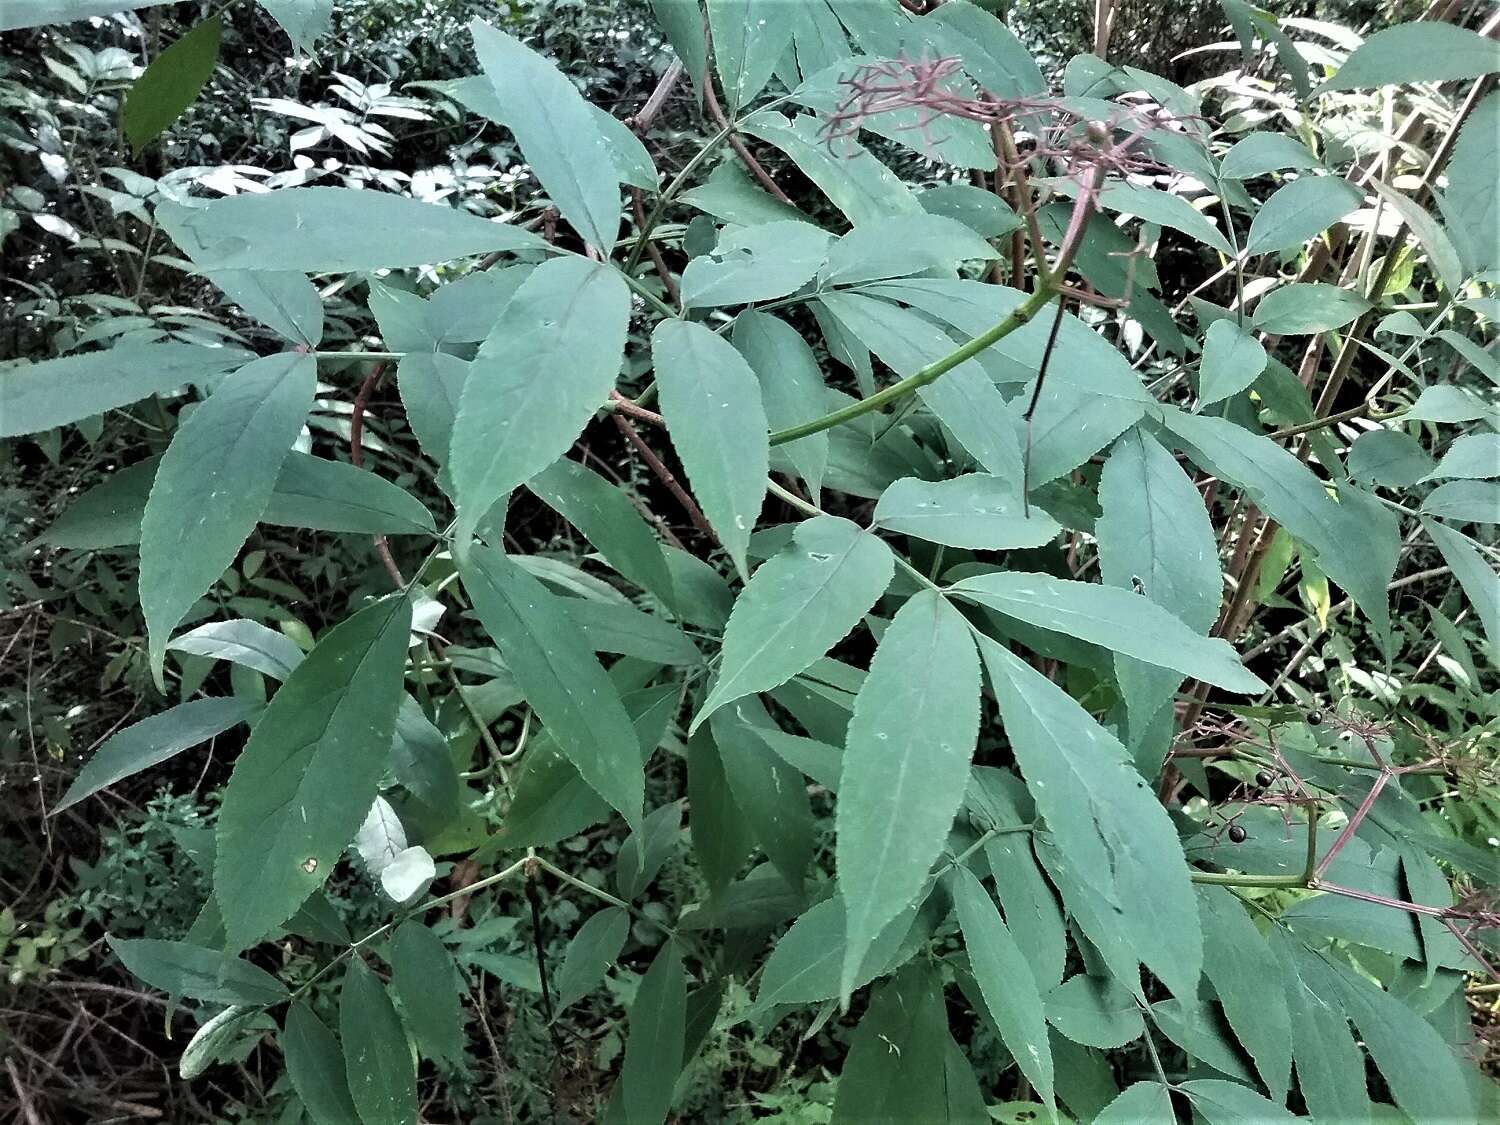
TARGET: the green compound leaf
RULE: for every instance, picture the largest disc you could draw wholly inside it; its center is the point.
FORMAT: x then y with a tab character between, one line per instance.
557	133
1356	540
1262	152
1306	308
748	39
214	482
1229	1103
1232	360
426	984
906	767
1471	205
381	1071
1102	817
1301	210
604	515
755	263
799	604
323	495
1239	963
791	386
712	403
654	1044
1005	981
306	779
1120	620
547	366
594	948
1429	51
902	1063
55	392
327	229
976	510
315	1063
170	84
203	974
807	962
1094	1011
559	677
1138	1104
154	740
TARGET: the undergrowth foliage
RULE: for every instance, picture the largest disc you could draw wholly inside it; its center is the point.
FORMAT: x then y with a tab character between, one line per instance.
989	479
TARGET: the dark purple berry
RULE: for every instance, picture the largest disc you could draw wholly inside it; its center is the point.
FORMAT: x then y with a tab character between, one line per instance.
1264	779
1314	718
1236	834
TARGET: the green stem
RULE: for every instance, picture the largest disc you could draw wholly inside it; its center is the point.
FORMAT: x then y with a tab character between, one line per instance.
984	838
1310	869
1331	420
649	297
929	374
1214	878
420	908
360	355
620	903
437	548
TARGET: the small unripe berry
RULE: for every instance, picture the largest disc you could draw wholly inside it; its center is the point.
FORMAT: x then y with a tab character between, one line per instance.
1236	834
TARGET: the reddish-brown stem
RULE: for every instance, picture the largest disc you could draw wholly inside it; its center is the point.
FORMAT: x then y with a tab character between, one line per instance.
664	475
635	410
1353	825
646	116
640	505
356	455
1024	203
747	158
